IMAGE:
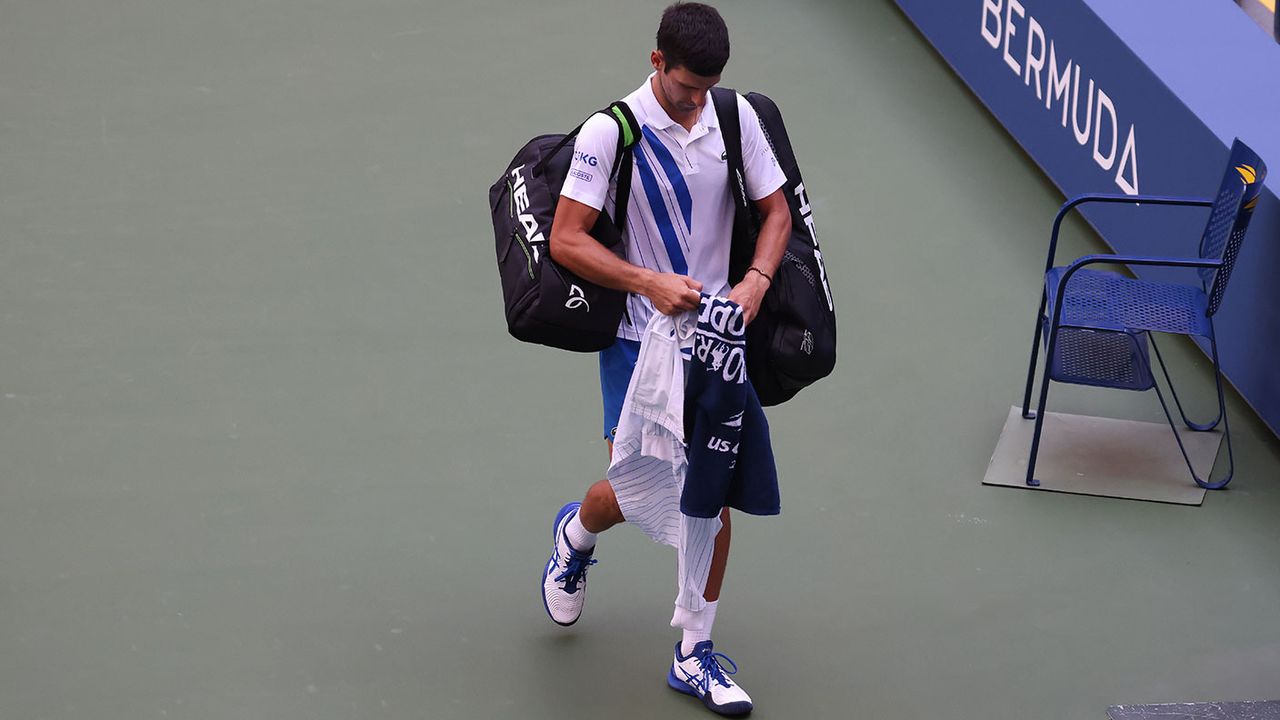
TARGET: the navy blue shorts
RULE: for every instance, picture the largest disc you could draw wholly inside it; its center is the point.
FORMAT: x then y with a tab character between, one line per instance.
617	363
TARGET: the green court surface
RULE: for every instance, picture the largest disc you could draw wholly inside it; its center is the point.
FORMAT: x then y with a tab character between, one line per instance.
268	452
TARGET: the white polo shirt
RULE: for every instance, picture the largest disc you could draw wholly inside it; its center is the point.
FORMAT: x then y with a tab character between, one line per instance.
680	217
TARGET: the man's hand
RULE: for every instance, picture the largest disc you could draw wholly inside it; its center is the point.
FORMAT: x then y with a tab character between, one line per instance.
771	244
748	294
672	294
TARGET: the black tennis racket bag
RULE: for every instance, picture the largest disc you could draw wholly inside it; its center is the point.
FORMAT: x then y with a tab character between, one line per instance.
544	302
792	342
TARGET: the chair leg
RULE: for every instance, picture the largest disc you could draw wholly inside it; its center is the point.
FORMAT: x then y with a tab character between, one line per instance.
1186	459
1039	416
1198	427
1172	426
1222	412
1035	350
1226	428
1231	460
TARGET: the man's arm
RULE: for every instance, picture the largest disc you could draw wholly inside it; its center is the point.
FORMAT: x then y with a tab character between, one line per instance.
573	247
775	229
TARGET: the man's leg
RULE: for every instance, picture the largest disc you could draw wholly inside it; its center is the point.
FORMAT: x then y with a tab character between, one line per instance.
696	669
564	581
574	531
696	624
719	560
599	510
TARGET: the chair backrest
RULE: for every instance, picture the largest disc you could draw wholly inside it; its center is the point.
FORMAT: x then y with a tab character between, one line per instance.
1229	219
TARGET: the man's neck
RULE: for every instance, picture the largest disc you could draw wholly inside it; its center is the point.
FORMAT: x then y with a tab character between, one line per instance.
686	121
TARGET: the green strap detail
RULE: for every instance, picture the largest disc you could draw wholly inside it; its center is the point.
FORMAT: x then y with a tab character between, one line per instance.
628	136
528	259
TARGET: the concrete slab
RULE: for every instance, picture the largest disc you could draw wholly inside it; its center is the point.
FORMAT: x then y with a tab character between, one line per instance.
1103	456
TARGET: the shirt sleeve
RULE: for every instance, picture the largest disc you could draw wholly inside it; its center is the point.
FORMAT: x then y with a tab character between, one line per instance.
758	161
593	158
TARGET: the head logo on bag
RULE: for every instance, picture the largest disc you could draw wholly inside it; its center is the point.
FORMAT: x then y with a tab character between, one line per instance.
520	200
806	212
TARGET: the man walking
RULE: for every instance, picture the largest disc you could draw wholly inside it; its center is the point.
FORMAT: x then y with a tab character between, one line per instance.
677	240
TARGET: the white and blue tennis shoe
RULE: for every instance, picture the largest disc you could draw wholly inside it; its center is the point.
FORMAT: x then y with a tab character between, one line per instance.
703	675
564	579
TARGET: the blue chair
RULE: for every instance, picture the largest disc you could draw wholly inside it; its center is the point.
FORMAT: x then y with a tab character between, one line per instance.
1097	325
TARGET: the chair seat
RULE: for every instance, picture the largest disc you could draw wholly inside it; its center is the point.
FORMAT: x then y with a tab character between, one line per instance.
1102	358
1110	301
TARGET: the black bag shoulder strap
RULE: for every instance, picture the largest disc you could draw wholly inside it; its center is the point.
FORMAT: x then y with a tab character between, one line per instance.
628	136
726	104
743	249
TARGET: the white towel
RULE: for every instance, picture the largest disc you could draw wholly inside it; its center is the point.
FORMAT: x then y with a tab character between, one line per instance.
649	458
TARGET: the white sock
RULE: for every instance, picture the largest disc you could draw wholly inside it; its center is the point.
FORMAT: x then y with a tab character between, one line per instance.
702	630
580	538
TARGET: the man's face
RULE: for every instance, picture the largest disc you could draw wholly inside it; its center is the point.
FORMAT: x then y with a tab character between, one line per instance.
683	90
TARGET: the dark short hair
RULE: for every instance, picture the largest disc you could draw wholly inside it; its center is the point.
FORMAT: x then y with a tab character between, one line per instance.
693	36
